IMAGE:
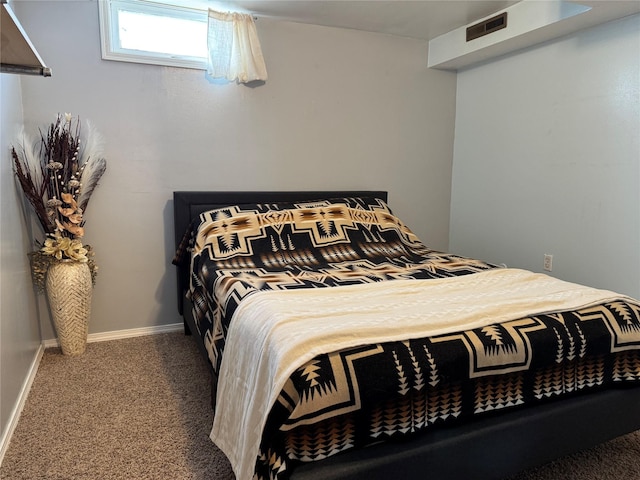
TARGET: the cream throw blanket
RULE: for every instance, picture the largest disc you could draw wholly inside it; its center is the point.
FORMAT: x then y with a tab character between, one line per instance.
272	333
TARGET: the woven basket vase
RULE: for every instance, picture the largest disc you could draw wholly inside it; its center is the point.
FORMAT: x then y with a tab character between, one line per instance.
69	290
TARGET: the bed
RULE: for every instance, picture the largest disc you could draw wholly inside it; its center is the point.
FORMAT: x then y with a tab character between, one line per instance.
455	410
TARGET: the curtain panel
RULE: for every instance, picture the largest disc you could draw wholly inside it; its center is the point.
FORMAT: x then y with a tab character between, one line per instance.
234	49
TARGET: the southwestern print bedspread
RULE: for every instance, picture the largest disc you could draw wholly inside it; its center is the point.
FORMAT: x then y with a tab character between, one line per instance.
243	249
400	387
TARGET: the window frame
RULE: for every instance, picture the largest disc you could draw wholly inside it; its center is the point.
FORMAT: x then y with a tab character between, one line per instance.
109	36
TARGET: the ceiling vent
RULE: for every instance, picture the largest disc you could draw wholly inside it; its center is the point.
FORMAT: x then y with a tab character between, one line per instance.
486	27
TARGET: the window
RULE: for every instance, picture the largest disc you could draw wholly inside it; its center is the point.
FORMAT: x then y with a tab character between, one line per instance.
153	32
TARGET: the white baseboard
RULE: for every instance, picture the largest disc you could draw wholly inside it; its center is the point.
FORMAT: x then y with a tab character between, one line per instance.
33	369
22	398
118	334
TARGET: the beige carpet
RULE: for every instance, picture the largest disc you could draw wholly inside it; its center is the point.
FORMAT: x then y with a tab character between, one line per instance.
139	409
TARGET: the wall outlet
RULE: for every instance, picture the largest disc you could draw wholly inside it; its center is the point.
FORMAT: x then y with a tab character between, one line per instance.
548	262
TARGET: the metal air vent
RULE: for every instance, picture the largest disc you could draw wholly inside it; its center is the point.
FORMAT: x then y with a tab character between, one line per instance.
487	26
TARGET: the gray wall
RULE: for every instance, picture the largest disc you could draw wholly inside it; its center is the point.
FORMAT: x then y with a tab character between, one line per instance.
19	332
342	109
547	158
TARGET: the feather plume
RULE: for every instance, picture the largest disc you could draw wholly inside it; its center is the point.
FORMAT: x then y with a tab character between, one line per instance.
92	170
32	161
92	164
93	144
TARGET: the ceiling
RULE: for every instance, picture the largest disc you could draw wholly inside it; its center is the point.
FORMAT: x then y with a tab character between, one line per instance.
419	19
423	19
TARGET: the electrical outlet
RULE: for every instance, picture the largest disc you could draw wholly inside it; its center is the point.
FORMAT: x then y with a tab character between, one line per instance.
548	262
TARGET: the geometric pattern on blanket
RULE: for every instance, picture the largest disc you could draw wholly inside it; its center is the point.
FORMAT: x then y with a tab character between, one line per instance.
232	231
328	385
506	347
429	406
417	387
623	321
499	348
239	250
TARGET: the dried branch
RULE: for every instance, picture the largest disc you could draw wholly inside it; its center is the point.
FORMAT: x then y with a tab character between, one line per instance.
32	192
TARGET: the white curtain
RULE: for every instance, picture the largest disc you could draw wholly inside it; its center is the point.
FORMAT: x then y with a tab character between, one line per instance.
234	48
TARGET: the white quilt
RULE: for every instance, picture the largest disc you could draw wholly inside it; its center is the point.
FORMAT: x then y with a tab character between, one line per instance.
272	333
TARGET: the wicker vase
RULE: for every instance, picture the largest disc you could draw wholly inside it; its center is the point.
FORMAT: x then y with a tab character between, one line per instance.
69	287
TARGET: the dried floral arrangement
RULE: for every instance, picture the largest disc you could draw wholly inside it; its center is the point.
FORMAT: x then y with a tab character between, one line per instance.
58	174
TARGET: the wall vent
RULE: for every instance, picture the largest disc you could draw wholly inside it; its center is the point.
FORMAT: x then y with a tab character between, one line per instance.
486	27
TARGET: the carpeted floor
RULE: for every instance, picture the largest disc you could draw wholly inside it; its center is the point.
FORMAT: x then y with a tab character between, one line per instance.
127	409
139	409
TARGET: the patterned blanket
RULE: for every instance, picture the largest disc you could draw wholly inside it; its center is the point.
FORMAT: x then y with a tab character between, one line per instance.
401	387
273	332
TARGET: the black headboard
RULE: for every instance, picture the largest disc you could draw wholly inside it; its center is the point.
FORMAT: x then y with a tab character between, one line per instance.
188	205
